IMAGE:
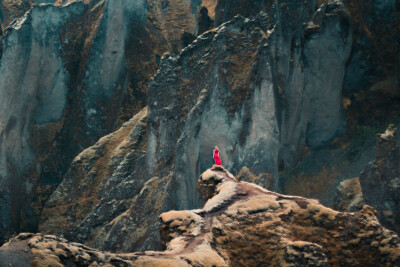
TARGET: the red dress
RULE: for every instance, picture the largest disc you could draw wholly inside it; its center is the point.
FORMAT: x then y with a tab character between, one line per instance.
216	157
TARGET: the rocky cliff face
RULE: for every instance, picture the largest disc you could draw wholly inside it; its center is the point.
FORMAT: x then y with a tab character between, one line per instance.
272	90
370	95
32	101
241	224
71	72
241	86
263	105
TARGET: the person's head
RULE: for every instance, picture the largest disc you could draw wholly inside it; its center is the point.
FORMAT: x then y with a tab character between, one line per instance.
216	147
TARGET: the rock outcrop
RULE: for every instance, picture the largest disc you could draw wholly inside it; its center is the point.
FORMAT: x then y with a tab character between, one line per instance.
70	73
267	89
349	196
380	181
263	104
241	224
245	86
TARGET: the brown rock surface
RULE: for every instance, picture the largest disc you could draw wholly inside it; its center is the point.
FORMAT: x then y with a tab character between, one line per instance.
349	195
275	60
241	225
100	186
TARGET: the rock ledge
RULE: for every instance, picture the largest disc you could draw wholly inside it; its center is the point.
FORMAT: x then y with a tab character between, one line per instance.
241	224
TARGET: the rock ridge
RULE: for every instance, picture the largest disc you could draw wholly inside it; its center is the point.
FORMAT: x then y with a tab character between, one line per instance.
241	224
243	86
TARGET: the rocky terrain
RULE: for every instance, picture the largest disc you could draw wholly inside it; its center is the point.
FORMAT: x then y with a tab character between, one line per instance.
241	224
71	72
292	92
238	104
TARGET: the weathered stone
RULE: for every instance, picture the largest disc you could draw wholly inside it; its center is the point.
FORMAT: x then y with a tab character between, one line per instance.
241	225
101	185
72	72
267	89
222	89
262	104
349	196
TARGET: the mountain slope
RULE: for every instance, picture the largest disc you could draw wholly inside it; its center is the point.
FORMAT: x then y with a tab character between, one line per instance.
72	72
241	224
222	89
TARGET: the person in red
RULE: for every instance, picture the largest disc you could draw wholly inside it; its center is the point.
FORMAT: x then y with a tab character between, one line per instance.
217	159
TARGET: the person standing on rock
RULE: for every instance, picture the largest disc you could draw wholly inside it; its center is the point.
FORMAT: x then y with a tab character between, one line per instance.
217	159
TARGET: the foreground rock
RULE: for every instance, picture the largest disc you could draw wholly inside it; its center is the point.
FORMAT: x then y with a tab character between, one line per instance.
241	224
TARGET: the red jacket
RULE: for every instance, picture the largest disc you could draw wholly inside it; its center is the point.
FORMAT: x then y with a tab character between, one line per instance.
216	157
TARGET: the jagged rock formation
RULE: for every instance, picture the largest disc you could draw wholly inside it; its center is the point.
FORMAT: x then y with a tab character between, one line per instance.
267	89
241	224
10	10
372	78
262	104
243	86
102	184
370	94
380	181
71	72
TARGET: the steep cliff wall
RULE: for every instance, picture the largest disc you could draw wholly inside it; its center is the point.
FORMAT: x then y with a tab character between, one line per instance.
273	91
240	86
380	181
33	91
262	104
71	72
